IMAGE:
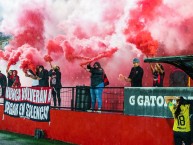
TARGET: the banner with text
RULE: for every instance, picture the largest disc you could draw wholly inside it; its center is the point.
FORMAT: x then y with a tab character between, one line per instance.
31	102
149	101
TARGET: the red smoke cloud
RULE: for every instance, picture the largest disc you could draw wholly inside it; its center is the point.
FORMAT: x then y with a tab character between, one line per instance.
30	57
54	47
102	32
144	42
14	59
31	24
136	32
30	32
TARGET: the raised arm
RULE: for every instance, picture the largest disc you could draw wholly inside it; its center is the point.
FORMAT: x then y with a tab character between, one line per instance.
127	79
86	67
159	68
151	66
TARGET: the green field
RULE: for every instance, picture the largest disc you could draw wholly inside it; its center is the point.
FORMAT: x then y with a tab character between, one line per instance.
8	138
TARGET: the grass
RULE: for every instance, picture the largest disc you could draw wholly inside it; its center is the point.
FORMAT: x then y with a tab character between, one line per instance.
8	138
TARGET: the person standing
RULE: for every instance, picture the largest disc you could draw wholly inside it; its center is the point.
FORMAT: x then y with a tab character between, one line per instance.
3	83
16	80
97	84
10	78
158	75
178	78
55	82
136	74
181	114
43	77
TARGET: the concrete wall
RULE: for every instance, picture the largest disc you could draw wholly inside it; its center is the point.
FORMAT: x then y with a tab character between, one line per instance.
95	129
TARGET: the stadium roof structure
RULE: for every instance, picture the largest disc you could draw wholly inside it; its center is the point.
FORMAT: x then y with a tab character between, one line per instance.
183	62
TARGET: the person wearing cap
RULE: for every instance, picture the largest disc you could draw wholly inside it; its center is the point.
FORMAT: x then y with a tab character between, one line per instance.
136	74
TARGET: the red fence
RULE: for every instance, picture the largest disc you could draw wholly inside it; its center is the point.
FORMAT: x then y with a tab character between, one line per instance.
96	129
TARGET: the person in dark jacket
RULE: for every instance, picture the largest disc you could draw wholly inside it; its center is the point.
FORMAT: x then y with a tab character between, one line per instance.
10	78
97	84
43	77
3	83
55	82
178	78
136	74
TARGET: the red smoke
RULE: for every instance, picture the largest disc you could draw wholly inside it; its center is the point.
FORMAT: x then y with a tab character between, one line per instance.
98	34
54	47
27	64
30	57
69	51
30	31
2	55
31	24
48	58
145	43
147	9
136	32
14	59
87	53
99	56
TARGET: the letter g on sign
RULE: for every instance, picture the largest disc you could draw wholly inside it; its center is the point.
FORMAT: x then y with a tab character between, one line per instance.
132	100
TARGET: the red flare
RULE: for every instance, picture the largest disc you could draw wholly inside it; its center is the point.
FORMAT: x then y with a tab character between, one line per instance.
27	64
48	58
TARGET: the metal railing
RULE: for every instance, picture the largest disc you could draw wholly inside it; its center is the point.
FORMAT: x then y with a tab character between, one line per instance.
78	99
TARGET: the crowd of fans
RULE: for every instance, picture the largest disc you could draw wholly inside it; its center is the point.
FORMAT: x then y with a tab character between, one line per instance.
181	111
40	78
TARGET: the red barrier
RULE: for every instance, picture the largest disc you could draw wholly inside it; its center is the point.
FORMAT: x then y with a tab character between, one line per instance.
93	128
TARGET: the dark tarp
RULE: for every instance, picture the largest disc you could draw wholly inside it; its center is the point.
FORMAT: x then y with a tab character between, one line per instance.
183	62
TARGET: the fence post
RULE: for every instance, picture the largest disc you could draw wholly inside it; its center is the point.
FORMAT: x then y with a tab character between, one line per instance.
72	100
